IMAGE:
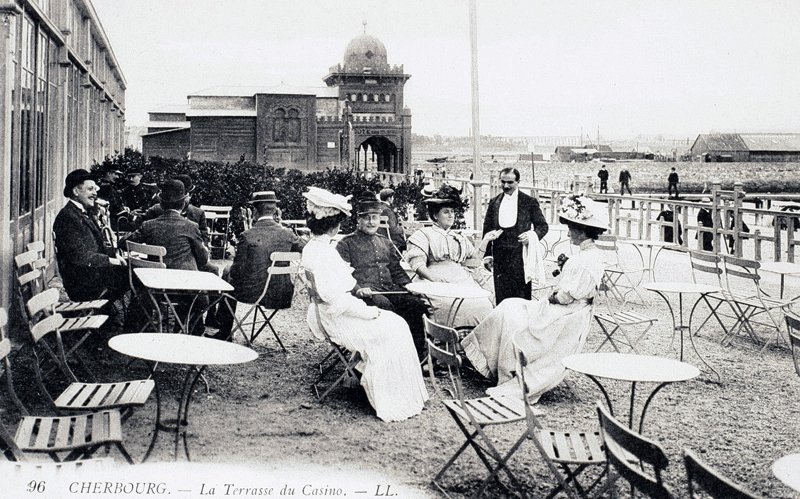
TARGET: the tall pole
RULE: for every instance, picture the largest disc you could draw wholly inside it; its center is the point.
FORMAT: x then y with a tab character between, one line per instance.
476	123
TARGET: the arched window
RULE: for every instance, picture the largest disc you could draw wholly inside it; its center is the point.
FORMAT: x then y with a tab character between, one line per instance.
376	98
353	97
388	97
365	97
279	126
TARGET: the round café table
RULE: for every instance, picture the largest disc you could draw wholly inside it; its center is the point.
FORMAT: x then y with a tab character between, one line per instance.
680	288
633	368
649	265
197	352
787	469
782	268
459	293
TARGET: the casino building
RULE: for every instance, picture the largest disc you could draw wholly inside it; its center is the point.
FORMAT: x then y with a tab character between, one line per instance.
358	120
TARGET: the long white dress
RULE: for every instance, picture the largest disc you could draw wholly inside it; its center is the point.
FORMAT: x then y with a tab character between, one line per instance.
390	369
443	252
546	332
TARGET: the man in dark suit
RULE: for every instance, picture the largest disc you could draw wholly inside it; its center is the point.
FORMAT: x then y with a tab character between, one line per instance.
248	273
376	269
396	233
88	265
182	240
515	213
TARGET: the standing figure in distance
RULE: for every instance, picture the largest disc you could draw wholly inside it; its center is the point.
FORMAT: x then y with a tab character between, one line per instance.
516	214
603	175
672	183
624	182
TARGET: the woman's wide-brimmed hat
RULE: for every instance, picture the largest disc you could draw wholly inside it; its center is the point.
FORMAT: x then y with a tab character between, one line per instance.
322	203
447	195
581	210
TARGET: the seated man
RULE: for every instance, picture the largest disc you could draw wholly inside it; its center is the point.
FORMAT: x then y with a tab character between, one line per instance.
376	268
191	212
248	273
180	236
88	265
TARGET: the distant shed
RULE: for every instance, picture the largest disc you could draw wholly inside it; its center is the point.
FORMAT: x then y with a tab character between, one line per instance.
742	147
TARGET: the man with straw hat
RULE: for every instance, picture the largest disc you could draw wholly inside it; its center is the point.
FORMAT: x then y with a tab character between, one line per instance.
248	273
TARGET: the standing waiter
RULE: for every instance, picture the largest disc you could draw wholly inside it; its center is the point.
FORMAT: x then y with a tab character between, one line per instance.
515	213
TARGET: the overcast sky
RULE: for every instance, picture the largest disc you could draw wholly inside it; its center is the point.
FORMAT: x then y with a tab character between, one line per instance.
674	67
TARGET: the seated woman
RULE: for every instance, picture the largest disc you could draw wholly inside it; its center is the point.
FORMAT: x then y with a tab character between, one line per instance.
551	328
391	375
436	253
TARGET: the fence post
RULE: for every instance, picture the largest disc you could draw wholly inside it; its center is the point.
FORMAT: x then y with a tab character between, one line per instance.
777	255
685	232
617	203
642	221
790	240
716	219
738	195
757	243
648	228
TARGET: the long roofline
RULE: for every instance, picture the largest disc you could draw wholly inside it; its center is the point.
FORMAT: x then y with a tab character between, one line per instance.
101	32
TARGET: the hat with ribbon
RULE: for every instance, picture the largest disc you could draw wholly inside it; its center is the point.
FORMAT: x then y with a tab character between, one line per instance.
264	197
581	210
171	191
322	203
447	195
367	204
76	178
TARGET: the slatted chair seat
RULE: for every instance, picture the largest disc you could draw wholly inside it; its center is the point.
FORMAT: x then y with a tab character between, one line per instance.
707	269
80	435
578	446
489	410
624	321
94	396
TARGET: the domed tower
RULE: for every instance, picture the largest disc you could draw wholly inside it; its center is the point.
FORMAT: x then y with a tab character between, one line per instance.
371	93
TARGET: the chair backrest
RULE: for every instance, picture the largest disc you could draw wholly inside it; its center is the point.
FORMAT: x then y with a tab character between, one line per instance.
621	443
307	276
607	243
143	256
42	304
793	326
442	344
709	480
745	270
705	263
282	263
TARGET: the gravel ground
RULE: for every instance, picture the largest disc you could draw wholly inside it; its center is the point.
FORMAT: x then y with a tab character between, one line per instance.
262	418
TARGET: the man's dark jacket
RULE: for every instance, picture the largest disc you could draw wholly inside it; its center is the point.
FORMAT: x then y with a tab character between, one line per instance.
181	238
396	233
375	263
193	213
248	273
83	258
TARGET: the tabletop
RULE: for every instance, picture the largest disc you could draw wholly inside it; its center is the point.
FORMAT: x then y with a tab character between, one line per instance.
631	367
181	280
680	287
447	289
647	242
781	267
787	469
181	349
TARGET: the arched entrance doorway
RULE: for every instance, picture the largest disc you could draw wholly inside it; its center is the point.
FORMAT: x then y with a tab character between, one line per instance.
379	154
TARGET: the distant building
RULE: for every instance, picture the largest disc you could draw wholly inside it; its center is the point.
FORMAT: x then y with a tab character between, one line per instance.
62	107
742	147
358	120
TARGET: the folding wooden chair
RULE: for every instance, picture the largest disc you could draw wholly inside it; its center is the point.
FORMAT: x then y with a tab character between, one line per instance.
743	291
30	267
624	321
474	416
77	436
707	269
793	327
77	396
709	480
145	256
282	263
384	226
218	219
624	447
622	280
337	355
572	451
41	309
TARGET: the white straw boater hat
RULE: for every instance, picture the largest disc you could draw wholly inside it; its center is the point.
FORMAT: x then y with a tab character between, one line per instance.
322	203
581	210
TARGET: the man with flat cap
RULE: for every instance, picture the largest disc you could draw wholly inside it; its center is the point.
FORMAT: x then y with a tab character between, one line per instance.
88	266
137	196
377	270
517	214
109	190
248	273
181	238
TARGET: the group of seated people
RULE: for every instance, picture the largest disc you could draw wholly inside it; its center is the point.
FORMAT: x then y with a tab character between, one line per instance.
361	283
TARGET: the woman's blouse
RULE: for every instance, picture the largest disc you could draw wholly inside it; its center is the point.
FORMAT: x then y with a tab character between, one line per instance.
434	244
581	274
334	280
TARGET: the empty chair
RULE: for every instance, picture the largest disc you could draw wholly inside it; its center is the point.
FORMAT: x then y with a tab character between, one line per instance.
707	269
628	453
621	280
793	325
630	325
218	218
709	480
66	438
145	256
573	451
473	416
